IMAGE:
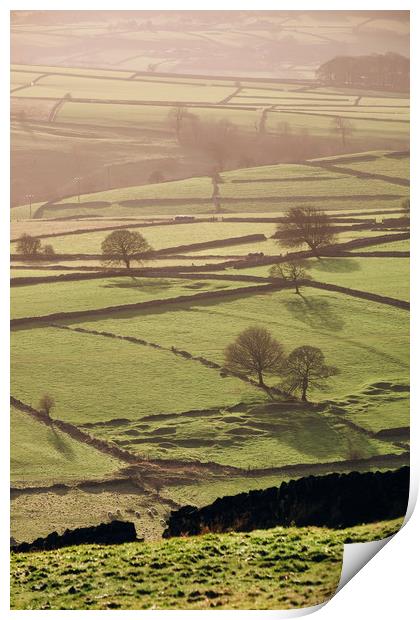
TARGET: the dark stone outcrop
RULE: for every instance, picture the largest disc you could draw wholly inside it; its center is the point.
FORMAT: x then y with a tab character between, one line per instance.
335	500
114	533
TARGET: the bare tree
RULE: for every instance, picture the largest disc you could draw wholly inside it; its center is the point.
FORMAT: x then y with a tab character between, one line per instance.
48	251
342	127
292	271
124	246
256	352
305	225
305	368
28	246
46	404
177	115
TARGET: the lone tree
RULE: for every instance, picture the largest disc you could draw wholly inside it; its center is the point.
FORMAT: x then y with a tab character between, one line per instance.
256	352
305	225
124	246
305	368
46	404
177	115
48	251
28	246
342	127
292	271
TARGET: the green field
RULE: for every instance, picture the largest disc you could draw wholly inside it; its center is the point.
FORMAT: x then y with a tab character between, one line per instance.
40	299
222	571
262	184
134	120
383	276
249	437
161	237
388	166
318	318
392	246
42	455
141	381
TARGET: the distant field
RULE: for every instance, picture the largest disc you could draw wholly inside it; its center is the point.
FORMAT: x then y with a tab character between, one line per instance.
273	184
273	247
56	86
237	571
42	455
163	236
388	166
384	276
265	188
47	298
96	379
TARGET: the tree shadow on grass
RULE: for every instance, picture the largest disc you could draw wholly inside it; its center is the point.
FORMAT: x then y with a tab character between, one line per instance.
335	265
316	312
62	446
149	286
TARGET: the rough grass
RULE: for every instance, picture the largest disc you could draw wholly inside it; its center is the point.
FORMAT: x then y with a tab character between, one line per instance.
94	379
47	298
35	514
260	436
42	455
281	568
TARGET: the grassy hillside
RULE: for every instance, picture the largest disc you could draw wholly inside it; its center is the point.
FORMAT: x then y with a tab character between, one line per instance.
319	318
96	379
270	188
281	568
42	455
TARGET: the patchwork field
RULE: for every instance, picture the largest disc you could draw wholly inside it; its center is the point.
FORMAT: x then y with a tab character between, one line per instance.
319	318
264	188
192	375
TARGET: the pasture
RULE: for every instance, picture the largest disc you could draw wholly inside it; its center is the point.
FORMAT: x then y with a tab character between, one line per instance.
319	318
42	455
264	188
381	275
41	299
132	120
88	388
236	571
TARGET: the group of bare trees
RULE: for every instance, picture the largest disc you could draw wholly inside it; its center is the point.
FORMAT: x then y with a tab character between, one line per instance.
31	248
227	145
256	352
382	71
